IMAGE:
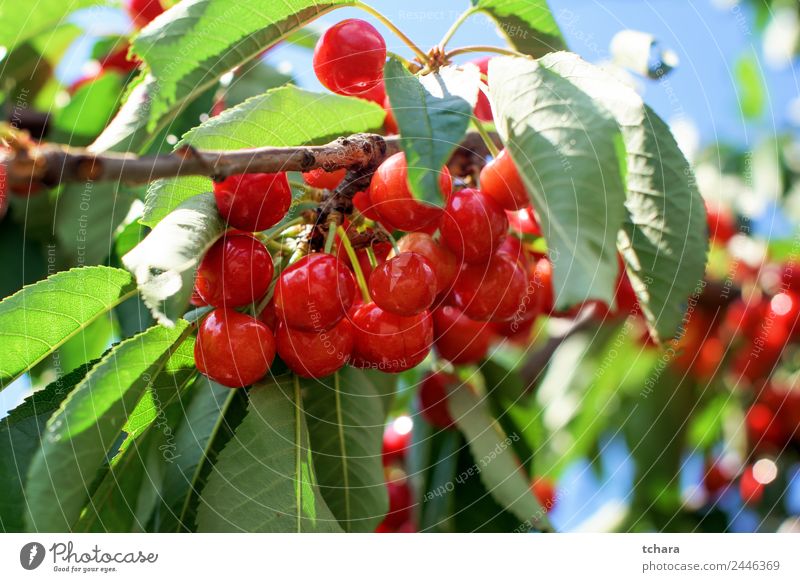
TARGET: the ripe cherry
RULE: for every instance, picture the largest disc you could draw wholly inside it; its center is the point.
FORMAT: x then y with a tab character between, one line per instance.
763	428
501	182
491	292
253	202
268	315
400	505
363	203
483	109
377	94
314	293
721	223
388	342
542	279
319	178
315	354
143	11
473	225
545	492
233	349
444	262
524	221
433	399
235	271
118	61
404	285
392	198
513	247
395	443
349	57
458	338
750	490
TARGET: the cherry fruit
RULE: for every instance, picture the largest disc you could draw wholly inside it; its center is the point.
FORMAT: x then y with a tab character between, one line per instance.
433	399
315	354
392	198
253	202
319	178
483	109
491	292
233	349
473	225
389	342
314	293
143	11
501	182
444	262
349	57
235	271
404	285
458	338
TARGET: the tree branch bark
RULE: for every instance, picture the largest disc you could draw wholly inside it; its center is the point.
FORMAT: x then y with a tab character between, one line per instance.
49	165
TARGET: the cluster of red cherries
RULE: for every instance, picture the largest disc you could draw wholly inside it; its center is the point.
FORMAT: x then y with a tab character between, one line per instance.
745	342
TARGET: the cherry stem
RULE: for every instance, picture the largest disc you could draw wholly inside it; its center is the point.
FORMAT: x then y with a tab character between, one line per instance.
351	254
487	139
388	234
400	34
484	49
331	236
373	261
456	25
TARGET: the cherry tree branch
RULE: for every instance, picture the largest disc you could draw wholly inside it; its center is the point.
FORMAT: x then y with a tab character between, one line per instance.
49	165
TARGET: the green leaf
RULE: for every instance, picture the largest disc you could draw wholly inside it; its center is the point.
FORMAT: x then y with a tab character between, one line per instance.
528	25
287	116
499	469
41	317
264	479
20	21
164	262
664	240
87	345
79	436
89	110
197	438
566	148
345	418
20	435
433	113
195	43
251	80
750	85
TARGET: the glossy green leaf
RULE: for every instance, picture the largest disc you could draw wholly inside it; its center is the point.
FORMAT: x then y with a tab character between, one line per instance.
663	240
86	427
88	111
570	154
498	467
41	317
287	116
164	262
528	25
433	113
197	42
264	479
345	419
20	21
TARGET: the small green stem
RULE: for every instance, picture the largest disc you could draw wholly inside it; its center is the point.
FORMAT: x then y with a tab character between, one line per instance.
373	261
351	254
331	236
456	25
487	139
484	49
388	234
390	25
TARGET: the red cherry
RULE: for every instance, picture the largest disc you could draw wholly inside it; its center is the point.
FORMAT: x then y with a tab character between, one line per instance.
393	200
404	285
542	279
400	505
627	303
377	94
514	248
744	317
491	292
118	61
444	263
314	293
473	225
483	109
364	205
268	316
545	491
763	428
388	342
143	11
395	444
319	178
349	57
458	338
524	221
233	349
315	354
253	202
433	399
708	359
235	271
721	223
750	490
501	182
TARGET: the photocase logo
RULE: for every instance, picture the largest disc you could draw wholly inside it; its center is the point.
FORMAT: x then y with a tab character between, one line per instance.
31	555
